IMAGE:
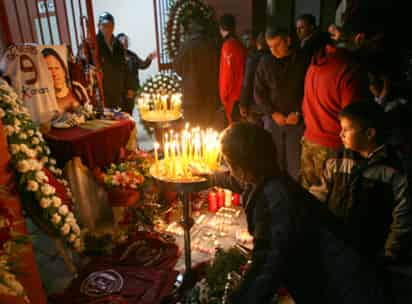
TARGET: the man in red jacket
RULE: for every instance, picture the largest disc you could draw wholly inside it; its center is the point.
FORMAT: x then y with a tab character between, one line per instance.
332	81
232	66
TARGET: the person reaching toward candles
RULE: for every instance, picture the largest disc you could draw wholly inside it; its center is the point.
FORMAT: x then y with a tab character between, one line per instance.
296	239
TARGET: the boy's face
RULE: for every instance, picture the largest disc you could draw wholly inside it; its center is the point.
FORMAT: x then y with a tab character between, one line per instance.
353	136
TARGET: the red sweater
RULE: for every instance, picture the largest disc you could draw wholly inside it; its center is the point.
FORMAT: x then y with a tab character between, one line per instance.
332	82
232	68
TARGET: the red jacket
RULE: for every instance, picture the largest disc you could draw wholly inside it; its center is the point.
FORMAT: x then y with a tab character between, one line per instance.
332	82
232	67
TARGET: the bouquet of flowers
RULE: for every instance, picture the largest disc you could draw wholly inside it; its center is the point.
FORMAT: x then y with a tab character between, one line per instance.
125	179
10	248
35	169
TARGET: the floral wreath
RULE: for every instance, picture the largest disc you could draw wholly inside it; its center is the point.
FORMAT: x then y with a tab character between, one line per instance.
30	156
181	12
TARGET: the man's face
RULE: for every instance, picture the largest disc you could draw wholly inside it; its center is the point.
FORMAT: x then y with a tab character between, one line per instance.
223	33
107	29
303	29
57	72
279	46
353	136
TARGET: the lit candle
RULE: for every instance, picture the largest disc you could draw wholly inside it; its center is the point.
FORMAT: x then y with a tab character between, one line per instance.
212	201
228	198
236	199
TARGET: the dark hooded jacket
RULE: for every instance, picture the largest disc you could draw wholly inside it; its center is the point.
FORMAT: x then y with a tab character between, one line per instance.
295	246
198	64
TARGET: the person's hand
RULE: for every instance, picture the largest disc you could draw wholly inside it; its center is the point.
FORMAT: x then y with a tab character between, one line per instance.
152	55
279	119
293	119
243	111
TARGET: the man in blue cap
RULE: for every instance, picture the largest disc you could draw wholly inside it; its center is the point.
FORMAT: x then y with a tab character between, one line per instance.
117	86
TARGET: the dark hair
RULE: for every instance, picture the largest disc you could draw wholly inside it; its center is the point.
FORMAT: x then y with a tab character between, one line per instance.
228	23
272	32
122	35
369	115
51	52
251	148
308	18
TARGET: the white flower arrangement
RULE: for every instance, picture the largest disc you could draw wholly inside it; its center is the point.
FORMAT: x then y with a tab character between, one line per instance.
161	84
29	155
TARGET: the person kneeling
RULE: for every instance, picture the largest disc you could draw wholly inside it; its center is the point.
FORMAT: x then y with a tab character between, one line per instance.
295	237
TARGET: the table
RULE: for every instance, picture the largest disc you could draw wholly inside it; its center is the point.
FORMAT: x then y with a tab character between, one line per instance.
81	149
97	147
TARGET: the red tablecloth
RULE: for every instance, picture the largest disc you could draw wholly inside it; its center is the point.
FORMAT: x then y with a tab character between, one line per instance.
96	148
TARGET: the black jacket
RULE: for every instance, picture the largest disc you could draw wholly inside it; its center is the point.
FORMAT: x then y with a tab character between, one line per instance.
371	197
198	64
134	64
295	247
279	83
252	61
115	75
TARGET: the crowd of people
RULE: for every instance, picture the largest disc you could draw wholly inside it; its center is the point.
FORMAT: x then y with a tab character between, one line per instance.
317	141
318	144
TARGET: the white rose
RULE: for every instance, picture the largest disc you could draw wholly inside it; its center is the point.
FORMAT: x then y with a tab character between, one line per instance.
34	164
45	202
23	166
35	141
58	171
14	149
56	218
30	132
41	176
9	130
72	238
32	186
75	228
47	150
52	161
31	153
23	136
63	210
65	229
56	201
77	245
47	189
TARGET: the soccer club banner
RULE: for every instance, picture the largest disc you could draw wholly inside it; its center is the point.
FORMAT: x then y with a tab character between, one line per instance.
27	68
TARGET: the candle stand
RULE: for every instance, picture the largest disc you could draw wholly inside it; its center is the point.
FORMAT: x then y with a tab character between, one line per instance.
184	188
